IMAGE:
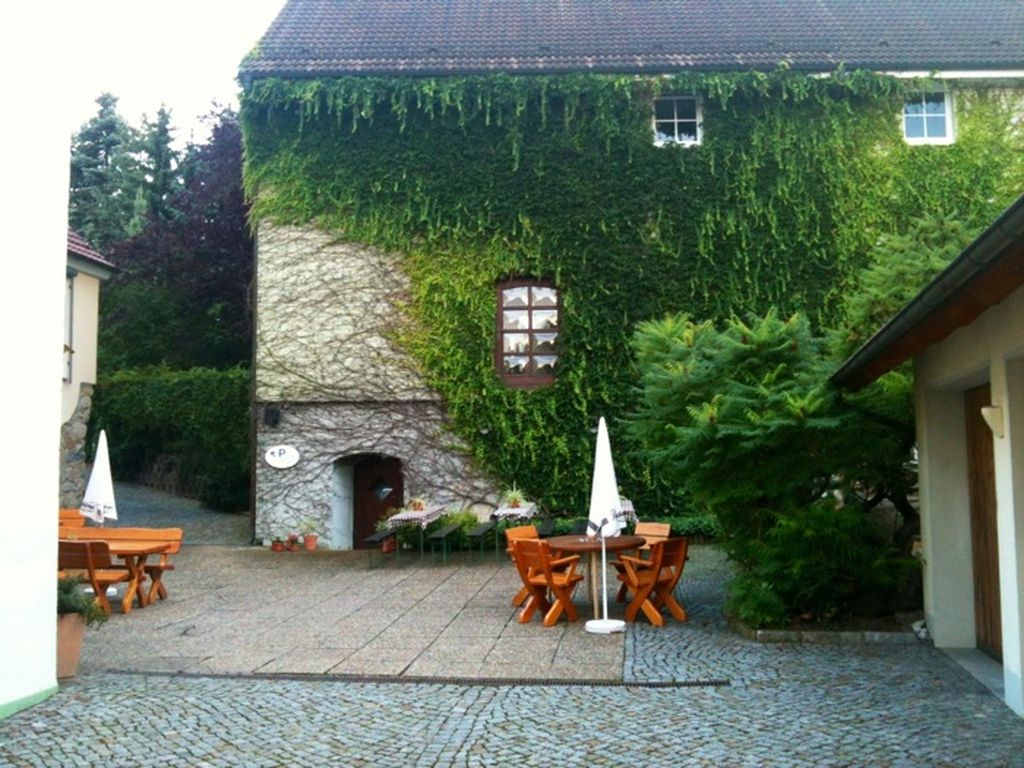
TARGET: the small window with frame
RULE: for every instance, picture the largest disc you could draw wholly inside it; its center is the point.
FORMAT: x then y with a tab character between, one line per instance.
528	331
928	118
677	121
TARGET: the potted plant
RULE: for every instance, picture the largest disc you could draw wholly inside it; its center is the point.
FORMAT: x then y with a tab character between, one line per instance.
417	504
513	497
277	545
292	542
75	611
309	534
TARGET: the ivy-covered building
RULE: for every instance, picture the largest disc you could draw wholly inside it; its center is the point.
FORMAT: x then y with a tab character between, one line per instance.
463	208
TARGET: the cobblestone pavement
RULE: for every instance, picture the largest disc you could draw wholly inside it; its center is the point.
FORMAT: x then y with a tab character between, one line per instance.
312	659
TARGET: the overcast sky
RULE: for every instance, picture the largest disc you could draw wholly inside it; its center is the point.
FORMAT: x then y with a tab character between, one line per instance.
181	53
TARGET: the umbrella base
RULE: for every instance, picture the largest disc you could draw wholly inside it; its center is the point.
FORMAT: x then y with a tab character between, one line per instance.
605	626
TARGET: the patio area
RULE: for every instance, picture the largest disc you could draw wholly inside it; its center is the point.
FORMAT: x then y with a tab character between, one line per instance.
295	658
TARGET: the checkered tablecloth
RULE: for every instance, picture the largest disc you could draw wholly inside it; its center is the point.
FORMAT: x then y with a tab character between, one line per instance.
421	517
524	512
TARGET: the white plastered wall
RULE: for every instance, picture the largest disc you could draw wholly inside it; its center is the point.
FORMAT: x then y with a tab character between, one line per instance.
85	307
33	198
989	350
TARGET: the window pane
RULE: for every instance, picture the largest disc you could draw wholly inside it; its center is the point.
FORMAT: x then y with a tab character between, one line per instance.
686	109
687	131
545	318
515	297
515	342
545	364
664	109
913	106
936	127
515	365
664	132
515	321
935	104
545	297
913	127
544	342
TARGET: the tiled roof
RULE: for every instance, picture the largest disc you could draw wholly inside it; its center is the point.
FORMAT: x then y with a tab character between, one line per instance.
420	37
79	247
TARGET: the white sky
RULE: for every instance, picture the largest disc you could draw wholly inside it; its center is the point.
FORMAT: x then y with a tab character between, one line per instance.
180	53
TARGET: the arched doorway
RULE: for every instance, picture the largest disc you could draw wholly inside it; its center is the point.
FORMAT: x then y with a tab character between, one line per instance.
364	488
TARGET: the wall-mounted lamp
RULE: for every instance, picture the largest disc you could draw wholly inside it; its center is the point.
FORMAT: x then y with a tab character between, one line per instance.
993	416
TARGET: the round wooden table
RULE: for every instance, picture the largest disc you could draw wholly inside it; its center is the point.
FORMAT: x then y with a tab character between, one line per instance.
574	543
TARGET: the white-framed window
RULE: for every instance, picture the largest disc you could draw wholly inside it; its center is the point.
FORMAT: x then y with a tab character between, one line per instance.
928	118
677	120
528	327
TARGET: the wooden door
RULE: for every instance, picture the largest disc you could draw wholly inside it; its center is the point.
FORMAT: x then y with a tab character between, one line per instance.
984	543
378	487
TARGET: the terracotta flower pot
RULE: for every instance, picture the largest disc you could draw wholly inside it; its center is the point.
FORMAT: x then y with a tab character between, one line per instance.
70	634
388	545
309	541
277	546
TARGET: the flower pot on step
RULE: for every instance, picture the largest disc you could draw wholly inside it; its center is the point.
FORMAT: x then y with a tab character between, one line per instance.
309	541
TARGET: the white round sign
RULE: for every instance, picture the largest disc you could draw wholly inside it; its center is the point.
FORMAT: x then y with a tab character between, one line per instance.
282	456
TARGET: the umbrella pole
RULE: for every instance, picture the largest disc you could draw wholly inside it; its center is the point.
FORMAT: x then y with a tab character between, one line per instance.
604	626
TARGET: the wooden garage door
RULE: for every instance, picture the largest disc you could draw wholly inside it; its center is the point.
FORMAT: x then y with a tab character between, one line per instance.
984	545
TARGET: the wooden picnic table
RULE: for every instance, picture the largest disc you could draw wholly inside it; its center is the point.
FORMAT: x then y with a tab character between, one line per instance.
134	554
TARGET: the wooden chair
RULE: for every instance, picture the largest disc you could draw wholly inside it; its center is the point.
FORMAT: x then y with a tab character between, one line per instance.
542	574
91	560
653	581
652	533
513	534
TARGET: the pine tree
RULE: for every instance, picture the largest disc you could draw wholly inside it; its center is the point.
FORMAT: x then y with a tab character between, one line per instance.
161	179
105	176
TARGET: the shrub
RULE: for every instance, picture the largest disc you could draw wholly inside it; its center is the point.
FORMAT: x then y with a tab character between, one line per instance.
71	599
200	416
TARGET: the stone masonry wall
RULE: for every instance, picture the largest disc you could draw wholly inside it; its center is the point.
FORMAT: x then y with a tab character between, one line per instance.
434	466
325	309
72	450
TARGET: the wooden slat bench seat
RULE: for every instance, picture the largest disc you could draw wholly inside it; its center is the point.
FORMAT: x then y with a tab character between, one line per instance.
71	518
91	560
173	537
480	534
376	541
443	535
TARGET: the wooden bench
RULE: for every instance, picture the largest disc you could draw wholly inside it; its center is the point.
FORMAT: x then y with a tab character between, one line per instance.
70	518
91	561
443	535
480	534
173	537
376	541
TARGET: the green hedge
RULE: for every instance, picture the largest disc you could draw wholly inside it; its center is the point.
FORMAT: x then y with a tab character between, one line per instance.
199	416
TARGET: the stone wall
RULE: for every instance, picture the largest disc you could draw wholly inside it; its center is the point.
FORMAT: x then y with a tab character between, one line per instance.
72	450
326	310
434	464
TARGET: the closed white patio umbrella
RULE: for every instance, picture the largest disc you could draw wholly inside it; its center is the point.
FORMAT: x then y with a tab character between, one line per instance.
604	520
98	503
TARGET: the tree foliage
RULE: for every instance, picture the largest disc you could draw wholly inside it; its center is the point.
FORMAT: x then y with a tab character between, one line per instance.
180	296
742	420
105	176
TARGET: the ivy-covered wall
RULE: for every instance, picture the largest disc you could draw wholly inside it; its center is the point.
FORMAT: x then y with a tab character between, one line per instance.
478	179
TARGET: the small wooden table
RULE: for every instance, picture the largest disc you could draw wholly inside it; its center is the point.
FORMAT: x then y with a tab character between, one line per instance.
134	554
592	546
